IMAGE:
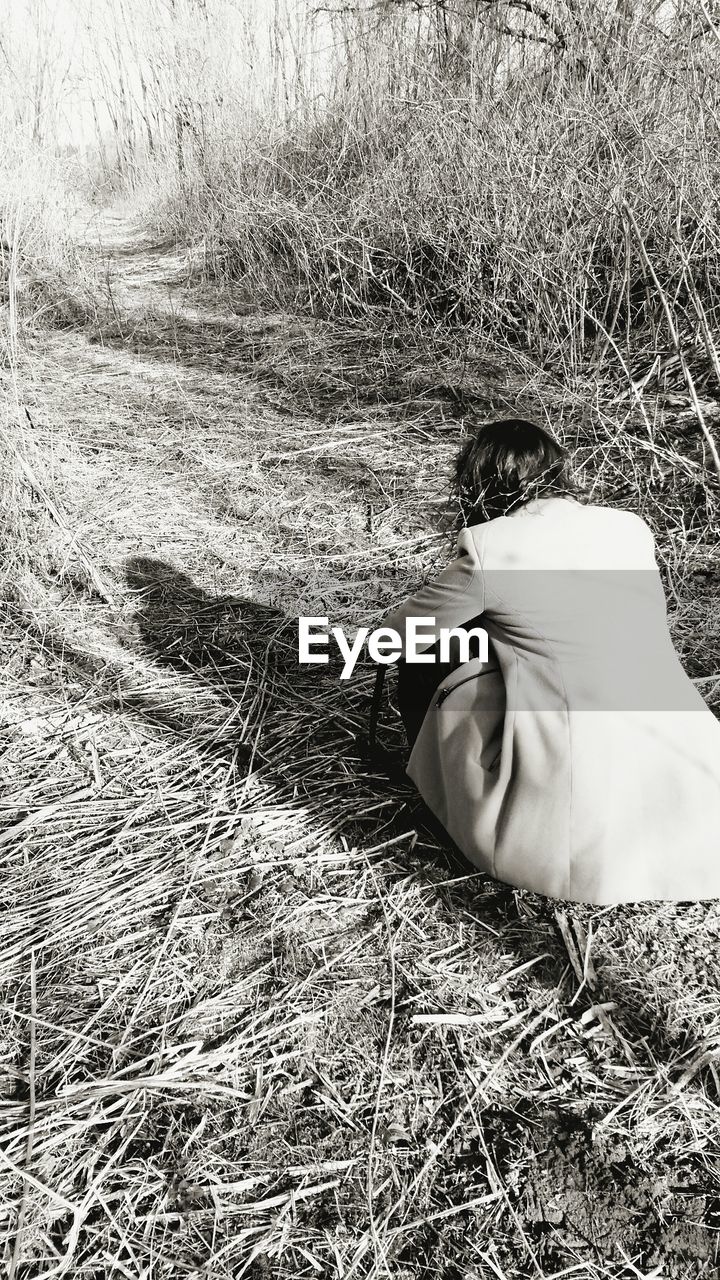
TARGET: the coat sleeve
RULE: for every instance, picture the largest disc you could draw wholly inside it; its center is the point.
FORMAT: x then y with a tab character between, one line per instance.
454	597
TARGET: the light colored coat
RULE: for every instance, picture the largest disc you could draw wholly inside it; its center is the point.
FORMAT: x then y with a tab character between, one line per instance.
580	761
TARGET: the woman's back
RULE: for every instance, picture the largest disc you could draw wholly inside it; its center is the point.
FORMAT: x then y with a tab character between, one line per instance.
580	762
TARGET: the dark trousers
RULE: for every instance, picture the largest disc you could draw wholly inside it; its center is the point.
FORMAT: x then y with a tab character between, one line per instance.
418	682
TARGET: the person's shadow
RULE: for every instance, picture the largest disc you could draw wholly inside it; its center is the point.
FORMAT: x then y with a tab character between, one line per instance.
185	626
301	722
300	727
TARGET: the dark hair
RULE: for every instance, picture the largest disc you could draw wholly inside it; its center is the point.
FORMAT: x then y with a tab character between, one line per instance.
506	464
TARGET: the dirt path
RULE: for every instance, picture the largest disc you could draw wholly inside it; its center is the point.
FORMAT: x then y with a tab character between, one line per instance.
255	1021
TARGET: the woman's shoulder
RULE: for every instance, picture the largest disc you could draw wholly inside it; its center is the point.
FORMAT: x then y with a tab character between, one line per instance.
564	509
563	527
618	519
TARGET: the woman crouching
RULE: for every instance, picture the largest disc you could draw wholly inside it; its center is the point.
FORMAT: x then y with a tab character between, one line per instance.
578	761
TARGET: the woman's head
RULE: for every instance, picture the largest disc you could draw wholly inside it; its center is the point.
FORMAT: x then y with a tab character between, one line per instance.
506	464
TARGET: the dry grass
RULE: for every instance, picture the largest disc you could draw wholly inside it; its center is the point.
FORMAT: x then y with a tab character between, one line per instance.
559	200
255	1021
